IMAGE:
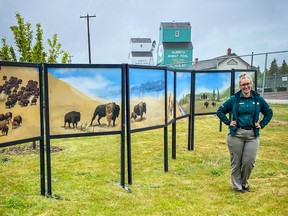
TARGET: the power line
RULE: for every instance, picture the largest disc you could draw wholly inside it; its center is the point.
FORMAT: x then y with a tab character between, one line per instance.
87	17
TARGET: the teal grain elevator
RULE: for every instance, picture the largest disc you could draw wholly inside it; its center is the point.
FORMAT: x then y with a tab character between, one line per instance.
175	48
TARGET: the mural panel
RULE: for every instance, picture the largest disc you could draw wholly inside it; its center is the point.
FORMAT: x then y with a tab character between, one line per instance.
84	100
211	89
19	103
170	95
147	97
183	91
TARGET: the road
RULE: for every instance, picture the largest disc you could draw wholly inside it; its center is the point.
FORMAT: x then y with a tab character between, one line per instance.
276	97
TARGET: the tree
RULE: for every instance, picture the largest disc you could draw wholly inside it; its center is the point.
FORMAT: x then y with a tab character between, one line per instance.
284	68
7	52
55	51
273	68
27	52
38	54
23	36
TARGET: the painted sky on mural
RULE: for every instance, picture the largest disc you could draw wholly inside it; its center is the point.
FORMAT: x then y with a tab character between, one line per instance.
183	84
146	82
100	82
206	82
245	26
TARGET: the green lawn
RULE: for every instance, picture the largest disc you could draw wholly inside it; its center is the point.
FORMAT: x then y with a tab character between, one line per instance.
86	175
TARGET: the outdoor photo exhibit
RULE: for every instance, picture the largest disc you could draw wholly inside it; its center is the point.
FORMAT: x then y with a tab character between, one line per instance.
211	89
170	95
250	74
20	100
183	93
84	99
147	97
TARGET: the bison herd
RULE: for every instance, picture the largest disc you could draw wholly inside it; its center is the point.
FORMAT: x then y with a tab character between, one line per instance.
15	92
110	110
6	119
206	104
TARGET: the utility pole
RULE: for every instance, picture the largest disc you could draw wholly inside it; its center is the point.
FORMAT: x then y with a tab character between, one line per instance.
70	59
87	17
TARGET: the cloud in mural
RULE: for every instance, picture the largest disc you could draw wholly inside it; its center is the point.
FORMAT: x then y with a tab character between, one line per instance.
206	82
100	82
150	88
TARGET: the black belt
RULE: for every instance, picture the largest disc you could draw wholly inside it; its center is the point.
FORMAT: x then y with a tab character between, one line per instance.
246	128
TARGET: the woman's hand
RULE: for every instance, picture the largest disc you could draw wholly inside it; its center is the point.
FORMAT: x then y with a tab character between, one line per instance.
233	123
257	125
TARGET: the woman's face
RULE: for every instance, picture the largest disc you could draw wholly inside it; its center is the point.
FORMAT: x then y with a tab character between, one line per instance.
246	86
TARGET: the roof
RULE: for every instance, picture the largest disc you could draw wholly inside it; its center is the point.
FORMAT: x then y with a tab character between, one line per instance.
177	45
175	24
213	63
140	40
141	54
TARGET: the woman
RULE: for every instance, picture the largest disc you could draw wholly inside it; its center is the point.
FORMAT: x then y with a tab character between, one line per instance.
243	137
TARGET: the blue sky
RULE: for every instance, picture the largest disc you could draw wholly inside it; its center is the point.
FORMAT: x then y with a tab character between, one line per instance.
206	82
100	82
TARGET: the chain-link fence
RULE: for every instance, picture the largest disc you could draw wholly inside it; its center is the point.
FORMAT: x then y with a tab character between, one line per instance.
262	62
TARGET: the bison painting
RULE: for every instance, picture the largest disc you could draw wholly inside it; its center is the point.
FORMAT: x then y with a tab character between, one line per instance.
170	104
4	128
72	117
139	109
17	121
110	111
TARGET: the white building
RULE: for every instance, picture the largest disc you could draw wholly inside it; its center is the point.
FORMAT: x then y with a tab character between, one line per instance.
224	62
141	51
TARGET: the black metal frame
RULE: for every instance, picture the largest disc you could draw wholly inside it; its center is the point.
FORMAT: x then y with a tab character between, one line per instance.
125	117
37	138
121	132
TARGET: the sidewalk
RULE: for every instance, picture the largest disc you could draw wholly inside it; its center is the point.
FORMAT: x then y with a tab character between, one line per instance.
276	101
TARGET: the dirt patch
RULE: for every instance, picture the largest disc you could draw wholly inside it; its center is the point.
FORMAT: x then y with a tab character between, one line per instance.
28	149
279	123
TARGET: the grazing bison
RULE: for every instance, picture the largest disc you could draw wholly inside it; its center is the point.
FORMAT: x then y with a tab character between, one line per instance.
170	104
8	117
206	104
4	128
115	113
109	110
72	117
213	103
2	117
17	121
34	101
139	109
24	102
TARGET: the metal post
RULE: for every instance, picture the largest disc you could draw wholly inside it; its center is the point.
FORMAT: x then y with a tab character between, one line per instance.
264	77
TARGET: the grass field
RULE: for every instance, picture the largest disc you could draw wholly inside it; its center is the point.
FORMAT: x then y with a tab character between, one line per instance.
86	175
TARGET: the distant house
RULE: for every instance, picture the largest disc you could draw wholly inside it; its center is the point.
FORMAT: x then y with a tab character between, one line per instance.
224	62
141	51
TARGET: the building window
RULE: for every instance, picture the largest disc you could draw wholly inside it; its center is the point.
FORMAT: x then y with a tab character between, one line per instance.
232	62
177	33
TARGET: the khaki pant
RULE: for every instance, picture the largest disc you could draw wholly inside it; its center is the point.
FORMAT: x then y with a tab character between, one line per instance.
243	149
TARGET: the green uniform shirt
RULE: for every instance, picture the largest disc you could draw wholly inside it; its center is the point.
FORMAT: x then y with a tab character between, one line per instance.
246	111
